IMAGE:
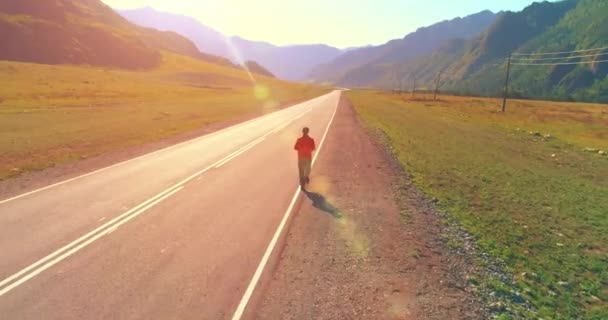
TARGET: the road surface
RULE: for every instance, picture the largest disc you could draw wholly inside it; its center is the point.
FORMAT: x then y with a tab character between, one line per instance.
175	234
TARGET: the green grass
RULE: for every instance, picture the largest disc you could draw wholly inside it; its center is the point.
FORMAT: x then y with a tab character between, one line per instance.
51	115
541	206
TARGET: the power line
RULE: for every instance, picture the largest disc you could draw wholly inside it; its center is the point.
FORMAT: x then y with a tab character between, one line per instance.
560	58
554	53
558	63
517	61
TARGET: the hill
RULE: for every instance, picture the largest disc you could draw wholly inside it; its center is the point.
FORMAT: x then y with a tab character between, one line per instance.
286	62
206	39
476	66
416	44
256	68
56	114
83	32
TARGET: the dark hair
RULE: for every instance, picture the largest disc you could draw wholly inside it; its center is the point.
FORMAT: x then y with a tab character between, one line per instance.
305	130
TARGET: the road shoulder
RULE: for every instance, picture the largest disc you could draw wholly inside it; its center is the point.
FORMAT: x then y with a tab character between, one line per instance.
364	244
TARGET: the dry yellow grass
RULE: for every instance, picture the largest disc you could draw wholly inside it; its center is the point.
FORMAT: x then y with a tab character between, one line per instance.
50	115
581	124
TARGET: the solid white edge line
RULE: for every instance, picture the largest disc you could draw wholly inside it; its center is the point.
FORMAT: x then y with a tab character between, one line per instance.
260	269
104	228
149	154
82	245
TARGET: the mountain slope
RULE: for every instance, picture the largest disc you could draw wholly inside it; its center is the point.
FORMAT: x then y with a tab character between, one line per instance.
477	66
205	38
585	26
413	45
83	32
256	68
286	62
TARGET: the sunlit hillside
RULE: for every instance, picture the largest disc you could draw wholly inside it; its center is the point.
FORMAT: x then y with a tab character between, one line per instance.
51	115
84	32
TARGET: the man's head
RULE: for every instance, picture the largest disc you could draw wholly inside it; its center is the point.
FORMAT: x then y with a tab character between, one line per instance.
305	131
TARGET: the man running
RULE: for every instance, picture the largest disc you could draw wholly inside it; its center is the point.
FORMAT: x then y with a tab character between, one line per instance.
305	145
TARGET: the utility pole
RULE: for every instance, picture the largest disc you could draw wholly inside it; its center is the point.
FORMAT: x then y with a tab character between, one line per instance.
506	91
414	88
395	81
437	85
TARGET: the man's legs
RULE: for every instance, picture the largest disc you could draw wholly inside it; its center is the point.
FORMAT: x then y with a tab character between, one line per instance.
307	170
302	171
304	165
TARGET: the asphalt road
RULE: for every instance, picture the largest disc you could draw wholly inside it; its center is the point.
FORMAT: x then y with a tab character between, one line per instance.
175	234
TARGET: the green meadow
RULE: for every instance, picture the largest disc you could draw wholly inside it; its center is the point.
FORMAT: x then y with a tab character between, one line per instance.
520	183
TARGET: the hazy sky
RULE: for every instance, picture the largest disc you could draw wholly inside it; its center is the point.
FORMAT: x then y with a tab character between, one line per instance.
340	23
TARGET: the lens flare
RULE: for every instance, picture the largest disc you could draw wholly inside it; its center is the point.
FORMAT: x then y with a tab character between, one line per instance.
261	92
357	242
238	58
321	185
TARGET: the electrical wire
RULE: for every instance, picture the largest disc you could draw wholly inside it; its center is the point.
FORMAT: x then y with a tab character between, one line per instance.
558	63
554	53
560	58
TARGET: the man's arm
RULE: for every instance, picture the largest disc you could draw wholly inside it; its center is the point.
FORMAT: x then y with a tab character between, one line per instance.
297	145
314	146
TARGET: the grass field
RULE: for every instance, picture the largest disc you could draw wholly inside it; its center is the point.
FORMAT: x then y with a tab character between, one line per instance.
539	204
51	115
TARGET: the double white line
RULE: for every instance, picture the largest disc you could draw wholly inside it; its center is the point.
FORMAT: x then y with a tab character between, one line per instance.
239	152
52	259
33	270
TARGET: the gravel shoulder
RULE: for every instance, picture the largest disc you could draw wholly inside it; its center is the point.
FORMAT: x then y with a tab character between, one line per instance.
364	243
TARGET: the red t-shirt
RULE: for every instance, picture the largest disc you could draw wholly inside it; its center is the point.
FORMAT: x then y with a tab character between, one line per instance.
305	146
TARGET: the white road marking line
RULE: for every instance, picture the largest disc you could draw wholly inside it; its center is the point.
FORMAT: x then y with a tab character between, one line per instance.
108	225
283	126
104	218
251	145
111	230
238	154
146	155
258	272
75	242
76	249
120	163
254	142
239	151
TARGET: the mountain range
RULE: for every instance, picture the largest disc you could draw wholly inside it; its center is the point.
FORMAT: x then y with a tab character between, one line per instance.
286	62
419	43
465	55
475	63
84	32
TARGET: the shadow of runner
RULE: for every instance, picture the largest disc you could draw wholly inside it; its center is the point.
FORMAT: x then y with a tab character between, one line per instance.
319	202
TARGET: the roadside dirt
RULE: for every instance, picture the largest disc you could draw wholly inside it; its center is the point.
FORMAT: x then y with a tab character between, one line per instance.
38	179
364	244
